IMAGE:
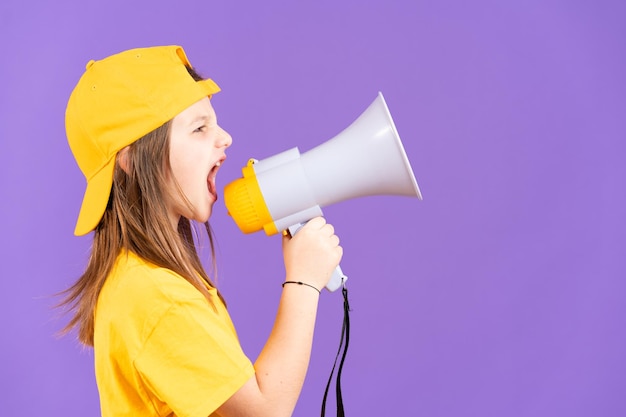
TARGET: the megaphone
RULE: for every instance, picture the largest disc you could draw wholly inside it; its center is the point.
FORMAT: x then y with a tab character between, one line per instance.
286	190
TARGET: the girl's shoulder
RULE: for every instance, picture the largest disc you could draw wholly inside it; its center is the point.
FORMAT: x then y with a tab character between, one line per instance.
138	284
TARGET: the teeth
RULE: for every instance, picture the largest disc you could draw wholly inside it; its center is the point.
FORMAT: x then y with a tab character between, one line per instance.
218	164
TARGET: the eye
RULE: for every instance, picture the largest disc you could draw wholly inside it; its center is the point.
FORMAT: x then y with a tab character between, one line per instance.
200	129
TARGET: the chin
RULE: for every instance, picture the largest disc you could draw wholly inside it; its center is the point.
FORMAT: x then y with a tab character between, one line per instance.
202	211
201	219
204	216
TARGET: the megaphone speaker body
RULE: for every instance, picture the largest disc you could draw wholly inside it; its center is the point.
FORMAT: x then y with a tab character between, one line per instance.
288	189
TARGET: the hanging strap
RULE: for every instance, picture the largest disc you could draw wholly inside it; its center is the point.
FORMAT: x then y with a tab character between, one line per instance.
345	336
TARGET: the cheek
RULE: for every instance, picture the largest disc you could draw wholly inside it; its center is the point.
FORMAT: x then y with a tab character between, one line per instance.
183	160
189	173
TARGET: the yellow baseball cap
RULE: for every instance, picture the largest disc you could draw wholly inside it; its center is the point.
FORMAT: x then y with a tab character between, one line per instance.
118	100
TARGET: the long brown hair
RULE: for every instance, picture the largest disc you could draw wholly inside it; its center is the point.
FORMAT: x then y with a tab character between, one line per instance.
136	219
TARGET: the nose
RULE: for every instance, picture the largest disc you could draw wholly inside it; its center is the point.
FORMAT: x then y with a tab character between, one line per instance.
224	139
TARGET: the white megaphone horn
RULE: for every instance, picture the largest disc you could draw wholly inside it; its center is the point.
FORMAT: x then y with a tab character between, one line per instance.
286	190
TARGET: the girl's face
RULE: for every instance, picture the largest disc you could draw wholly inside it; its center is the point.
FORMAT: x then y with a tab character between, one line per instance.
197	149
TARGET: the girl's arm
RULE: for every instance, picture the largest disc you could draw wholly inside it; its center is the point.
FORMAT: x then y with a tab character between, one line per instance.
310	257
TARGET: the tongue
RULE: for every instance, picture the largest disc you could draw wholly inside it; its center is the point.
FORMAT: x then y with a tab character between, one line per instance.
211	186
211	182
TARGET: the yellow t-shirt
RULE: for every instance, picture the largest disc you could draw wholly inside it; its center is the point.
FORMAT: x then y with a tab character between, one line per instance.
161	349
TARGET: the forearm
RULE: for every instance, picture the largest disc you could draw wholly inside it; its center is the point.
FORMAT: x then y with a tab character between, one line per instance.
282	365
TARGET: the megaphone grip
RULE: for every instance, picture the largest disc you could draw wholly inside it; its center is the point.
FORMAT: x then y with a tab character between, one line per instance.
338	278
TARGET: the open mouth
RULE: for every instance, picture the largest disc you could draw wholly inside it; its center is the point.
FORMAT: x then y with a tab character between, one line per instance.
211	179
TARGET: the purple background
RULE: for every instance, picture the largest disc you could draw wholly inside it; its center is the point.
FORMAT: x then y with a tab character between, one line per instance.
501	294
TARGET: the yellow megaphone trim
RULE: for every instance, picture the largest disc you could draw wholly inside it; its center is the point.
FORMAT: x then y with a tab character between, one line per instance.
245	204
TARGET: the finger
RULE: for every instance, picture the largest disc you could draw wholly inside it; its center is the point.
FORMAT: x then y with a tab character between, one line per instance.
329	229
316	222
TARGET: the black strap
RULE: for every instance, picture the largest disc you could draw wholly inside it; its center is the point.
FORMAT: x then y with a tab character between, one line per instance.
345	335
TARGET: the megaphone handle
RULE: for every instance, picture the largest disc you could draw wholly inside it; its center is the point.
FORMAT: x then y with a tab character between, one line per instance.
338	279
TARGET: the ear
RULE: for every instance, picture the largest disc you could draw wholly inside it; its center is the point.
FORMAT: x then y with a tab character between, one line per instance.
122	159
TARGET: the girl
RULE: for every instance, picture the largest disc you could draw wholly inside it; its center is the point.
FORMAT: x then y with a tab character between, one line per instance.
144	133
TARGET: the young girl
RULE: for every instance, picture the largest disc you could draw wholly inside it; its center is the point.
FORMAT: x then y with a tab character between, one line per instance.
144	133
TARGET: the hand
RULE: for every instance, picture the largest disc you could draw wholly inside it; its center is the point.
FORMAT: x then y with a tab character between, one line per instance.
313	253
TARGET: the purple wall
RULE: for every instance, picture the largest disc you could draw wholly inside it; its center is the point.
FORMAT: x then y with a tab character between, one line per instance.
503	293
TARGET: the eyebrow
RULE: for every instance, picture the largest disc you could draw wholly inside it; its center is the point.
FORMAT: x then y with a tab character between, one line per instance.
200	118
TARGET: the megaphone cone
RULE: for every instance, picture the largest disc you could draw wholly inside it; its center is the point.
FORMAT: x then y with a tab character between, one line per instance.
367	158
288	189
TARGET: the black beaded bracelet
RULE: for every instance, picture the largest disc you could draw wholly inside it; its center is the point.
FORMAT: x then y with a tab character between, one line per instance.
301	283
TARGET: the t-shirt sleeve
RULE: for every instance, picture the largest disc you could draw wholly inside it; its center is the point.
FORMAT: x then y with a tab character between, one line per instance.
192	360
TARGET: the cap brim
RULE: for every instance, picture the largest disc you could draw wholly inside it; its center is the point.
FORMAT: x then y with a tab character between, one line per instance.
95	199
